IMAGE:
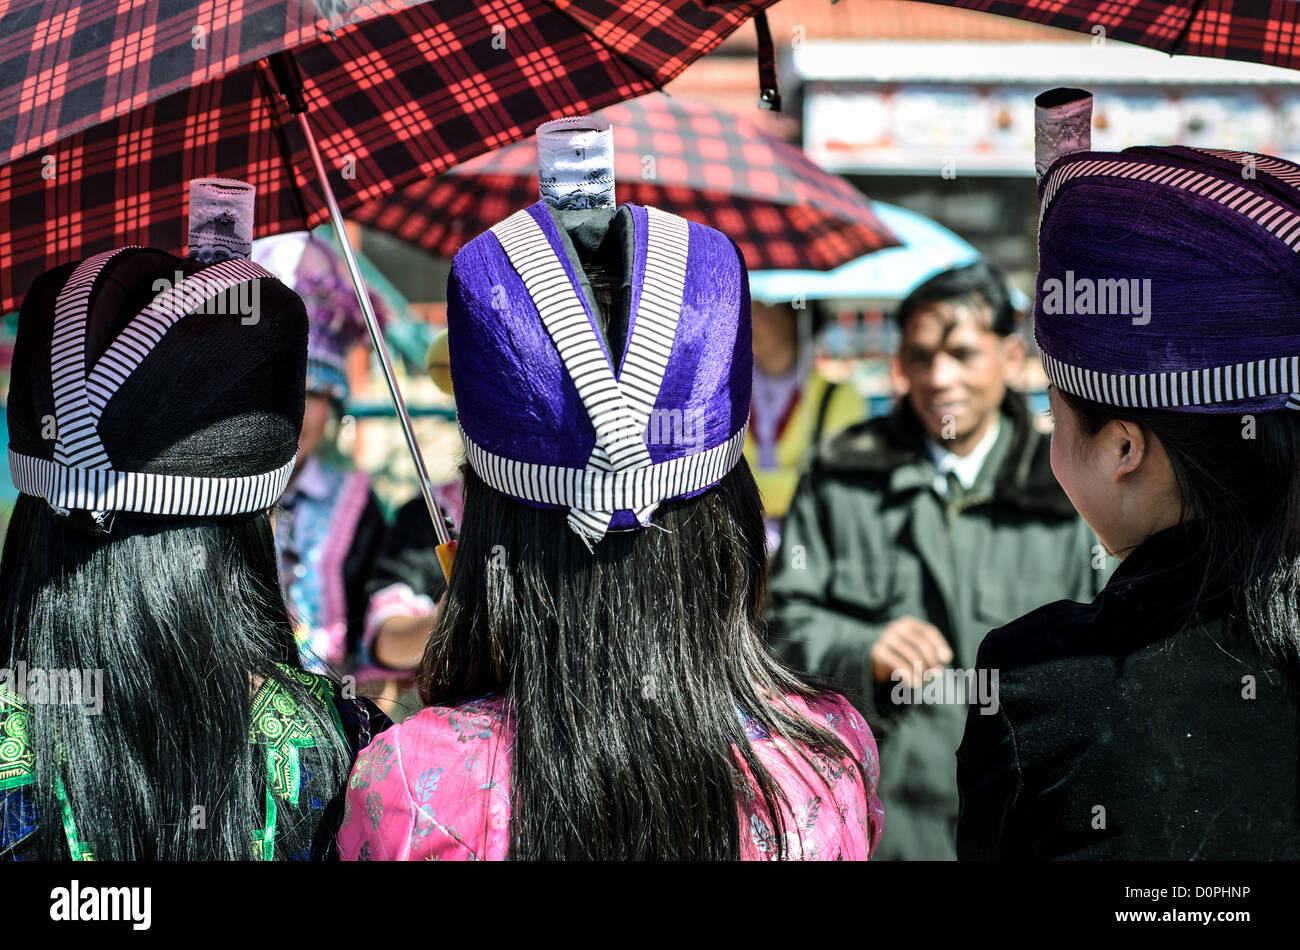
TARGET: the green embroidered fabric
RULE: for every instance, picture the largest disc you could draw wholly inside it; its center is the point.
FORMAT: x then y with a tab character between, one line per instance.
280	726
16	761
277	724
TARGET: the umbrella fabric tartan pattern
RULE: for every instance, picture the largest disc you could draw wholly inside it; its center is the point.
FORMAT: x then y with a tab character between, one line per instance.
110	109
1256	31
678	154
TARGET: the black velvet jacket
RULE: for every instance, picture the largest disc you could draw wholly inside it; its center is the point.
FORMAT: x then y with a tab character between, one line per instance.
1135	727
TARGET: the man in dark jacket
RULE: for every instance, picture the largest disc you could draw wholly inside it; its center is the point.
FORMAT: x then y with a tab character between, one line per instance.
912	535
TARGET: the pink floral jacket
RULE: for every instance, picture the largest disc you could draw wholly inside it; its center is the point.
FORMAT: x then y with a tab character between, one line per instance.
437	786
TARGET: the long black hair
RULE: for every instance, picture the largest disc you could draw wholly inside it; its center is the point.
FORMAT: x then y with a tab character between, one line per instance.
183	619
625	670
1238	479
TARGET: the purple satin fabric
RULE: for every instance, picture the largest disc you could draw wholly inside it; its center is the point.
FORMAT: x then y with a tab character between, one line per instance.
513	394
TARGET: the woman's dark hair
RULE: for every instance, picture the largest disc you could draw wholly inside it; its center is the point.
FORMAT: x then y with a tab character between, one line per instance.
625	670
980	282
1238	477
182	619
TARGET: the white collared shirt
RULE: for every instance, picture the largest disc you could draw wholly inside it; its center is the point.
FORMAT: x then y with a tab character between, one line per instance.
965	467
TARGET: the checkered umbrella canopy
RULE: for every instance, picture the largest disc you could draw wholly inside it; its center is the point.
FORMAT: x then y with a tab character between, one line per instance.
673	153
1257	31
109	107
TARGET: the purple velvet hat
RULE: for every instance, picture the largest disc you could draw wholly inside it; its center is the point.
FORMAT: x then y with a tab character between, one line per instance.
549	415
1168	277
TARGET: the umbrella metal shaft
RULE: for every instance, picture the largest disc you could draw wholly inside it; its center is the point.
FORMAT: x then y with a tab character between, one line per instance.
376	335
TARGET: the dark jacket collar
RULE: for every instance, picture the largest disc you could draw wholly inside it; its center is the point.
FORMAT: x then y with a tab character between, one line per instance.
1168	580
1024	479
1175	560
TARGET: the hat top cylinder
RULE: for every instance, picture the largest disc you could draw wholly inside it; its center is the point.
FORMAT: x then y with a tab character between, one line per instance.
221	219
575	162
1062	126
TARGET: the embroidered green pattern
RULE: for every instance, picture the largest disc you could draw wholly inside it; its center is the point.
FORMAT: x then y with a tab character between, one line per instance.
277	725
264	838
16	761
17	764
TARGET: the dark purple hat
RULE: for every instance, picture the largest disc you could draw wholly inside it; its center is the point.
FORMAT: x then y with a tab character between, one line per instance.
1168	277
555	409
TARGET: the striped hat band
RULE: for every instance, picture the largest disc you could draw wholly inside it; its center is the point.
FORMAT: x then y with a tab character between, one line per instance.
68	488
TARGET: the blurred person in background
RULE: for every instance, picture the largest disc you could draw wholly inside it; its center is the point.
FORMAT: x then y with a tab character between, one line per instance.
910	536
407	581
794	406
330	526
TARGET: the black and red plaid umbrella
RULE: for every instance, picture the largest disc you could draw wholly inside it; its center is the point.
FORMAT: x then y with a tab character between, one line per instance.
678	154
108	108
112	107
1256	31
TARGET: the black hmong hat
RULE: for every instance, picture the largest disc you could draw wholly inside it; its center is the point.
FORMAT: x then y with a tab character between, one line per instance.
146	383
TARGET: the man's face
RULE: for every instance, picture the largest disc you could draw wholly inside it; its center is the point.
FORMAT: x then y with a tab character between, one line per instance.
957	370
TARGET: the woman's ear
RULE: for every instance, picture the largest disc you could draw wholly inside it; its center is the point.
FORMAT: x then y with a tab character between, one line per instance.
1128	442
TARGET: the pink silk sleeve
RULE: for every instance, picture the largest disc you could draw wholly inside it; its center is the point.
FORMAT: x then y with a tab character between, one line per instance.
433	788
384	818
855	732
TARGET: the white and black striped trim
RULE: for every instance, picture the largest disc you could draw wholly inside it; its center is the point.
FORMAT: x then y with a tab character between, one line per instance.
1282	222
99	490
619	407
73	416
591	489
1275	167
1278	376
655	327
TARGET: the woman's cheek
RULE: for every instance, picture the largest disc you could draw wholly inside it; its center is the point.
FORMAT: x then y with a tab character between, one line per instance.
1065	464
1059	457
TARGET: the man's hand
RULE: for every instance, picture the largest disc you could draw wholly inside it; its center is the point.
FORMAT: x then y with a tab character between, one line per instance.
904	643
